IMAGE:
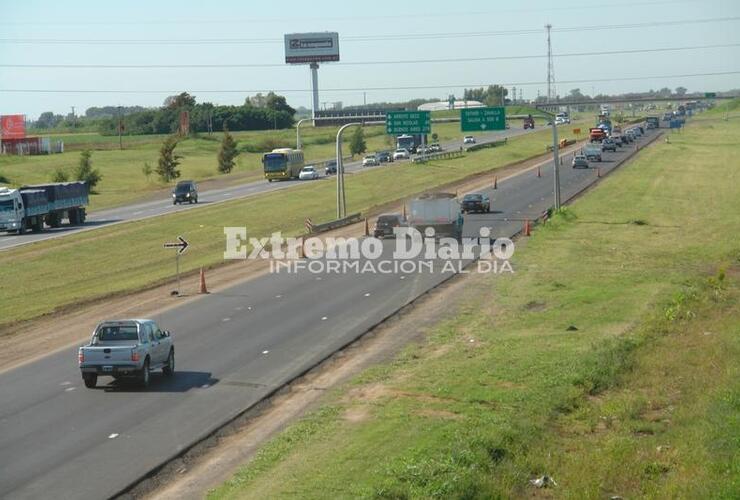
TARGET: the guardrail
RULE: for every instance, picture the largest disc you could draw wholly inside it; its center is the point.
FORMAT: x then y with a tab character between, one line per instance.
442	155
334	224
494	144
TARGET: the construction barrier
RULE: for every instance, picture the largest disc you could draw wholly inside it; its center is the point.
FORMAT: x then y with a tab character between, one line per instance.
328	226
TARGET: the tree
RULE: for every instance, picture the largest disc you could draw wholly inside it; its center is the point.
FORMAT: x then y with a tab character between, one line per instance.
85	171
59	175
357	144
435	137
182	100
681	91
48	119
147	170
168	161
276	102
227	153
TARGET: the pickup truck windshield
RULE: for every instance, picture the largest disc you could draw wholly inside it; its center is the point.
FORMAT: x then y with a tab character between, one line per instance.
112	333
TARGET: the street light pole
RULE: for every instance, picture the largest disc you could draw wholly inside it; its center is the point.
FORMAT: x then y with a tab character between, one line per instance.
298	144
556	164
341	198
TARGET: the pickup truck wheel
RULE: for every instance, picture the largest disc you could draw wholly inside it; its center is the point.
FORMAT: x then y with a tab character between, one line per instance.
90	379
169	368
144	376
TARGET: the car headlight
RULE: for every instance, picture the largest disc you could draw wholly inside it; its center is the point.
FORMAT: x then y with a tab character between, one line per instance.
187	195
173	195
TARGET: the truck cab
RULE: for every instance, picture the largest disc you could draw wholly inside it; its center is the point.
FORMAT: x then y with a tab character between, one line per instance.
11	211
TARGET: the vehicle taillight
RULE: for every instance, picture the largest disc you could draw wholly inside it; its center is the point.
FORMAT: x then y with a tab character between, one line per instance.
81	357
134	356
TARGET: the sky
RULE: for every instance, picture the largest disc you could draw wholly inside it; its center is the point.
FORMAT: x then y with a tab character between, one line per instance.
38	32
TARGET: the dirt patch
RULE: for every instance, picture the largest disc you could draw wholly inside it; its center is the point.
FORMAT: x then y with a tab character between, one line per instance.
356	414
535	306
441	414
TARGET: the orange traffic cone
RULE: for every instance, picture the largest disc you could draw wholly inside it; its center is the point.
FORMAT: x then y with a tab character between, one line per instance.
495	182
527	229
367	228
203	288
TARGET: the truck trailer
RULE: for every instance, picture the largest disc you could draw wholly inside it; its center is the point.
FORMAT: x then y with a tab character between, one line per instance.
30	207
440	211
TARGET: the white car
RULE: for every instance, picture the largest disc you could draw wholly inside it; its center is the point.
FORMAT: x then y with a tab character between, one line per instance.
401	154
308	173
468	139
369	161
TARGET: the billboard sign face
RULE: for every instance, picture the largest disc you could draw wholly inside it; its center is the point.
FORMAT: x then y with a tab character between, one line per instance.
13	126
304	48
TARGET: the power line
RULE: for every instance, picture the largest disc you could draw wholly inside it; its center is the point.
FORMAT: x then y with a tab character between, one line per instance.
360	89
257	20
364	38
368	63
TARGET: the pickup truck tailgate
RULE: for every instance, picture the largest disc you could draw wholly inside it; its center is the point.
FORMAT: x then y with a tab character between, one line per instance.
107	355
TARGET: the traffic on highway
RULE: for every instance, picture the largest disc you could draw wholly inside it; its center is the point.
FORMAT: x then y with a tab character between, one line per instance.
300	275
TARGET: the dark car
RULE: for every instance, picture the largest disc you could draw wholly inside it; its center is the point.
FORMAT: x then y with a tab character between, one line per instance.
476	202
608	145
384	157
331	167
185	192
385	224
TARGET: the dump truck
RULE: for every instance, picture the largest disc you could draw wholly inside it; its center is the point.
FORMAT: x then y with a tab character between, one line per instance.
439	211
30	207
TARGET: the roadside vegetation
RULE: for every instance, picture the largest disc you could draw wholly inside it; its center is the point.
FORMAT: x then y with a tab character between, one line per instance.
607	362
129	256
124	179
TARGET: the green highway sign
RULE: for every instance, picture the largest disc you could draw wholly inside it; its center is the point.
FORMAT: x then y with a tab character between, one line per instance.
408	122
710	95
478	119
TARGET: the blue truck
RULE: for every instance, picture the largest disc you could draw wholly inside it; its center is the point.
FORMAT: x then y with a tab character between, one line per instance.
32	207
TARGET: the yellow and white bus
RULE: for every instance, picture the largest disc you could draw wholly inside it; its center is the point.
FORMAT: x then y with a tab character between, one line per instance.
284	163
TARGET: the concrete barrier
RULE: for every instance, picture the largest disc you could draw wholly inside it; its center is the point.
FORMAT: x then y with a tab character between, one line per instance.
334	224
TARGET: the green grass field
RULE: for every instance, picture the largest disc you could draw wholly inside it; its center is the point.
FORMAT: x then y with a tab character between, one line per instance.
103	265
641	399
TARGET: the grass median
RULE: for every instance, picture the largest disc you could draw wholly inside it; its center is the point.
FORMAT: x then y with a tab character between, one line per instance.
608	361
125	257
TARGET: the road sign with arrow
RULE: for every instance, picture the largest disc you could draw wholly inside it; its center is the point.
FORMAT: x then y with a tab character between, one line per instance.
482	119
181	245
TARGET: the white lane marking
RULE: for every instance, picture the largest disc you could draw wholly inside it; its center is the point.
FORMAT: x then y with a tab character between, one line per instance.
367	294
403	277
318	278
226	319
226	194
238	308
113	436
265	352
323	318
205	386
249	307
139	212
69	389
278	296
66	382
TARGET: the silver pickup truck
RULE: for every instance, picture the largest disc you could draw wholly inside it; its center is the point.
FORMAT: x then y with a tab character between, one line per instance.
129	348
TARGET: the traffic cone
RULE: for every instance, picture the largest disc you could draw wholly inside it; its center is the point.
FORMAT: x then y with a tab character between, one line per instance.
539	172
598	171
495	182
203	288
527	229
367	228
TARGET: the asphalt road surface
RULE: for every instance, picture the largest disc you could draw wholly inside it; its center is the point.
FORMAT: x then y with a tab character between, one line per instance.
232	348
165	206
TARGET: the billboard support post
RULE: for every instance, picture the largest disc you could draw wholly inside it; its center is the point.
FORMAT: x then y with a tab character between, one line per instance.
315	88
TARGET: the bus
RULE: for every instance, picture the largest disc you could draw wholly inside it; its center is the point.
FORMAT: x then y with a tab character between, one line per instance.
284	163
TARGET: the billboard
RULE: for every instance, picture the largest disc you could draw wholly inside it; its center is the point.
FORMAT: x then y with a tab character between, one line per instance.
13	126
304	48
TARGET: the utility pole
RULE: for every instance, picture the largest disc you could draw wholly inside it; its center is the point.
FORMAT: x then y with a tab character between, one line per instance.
550	68
556	164
120	129
364	100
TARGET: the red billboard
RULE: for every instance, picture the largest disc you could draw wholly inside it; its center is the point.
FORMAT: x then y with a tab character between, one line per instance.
13	126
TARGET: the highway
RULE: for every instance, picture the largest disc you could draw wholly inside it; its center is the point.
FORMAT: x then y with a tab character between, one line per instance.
164	206
233	348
